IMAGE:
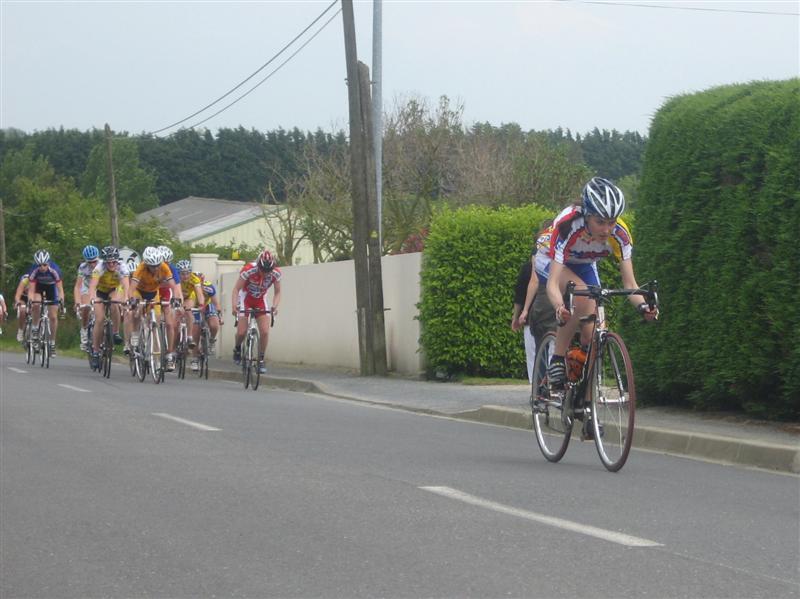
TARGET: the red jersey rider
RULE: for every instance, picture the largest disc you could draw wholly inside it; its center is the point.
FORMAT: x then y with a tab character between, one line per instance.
250	292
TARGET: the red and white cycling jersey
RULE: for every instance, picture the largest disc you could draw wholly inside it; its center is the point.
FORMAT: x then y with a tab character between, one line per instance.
578	247
256	281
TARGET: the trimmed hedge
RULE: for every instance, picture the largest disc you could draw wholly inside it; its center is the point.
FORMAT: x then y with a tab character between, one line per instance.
718	224
470	265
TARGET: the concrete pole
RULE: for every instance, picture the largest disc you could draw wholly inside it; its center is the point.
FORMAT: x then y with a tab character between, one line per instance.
112	188
377	109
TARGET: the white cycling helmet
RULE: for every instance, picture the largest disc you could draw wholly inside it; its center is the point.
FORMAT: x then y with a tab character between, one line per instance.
603	198
41	257
166	252
151	256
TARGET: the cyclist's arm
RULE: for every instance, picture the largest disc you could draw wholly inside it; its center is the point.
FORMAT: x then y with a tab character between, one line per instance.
18	293
201	299
276	297
629	282
76	291
177	292
235	295
533	286
554	291
61	295
126	292
93	288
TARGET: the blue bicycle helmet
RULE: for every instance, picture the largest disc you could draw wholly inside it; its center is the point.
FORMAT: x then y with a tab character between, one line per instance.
90	252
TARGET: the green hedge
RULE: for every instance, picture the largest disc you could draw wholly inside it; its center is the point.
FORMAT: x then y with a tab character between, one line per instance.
470	265
718	224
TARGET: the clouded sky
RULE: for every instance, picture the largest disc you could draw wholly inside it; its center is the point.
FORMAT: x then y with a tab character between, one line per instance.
141	66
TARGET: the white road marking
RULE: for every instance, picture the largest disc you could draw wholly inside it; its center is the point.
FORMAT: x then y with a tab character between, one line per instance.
73	388
592	531
18	370
197	425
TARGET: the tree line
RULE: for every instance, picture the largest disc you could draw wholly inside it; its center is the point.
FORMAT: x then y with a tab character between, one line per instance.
54	183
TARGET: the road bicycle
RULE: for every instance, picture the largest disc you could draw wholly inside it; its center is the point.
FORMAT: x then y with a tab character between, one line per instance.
601	393
40	342
27	342
150	354
181	348
250	373
107	340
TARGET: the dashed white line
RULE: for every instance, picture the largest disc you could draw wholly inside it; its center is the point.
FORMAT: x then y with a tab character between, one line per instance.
584	529
197	425
73	388
19	370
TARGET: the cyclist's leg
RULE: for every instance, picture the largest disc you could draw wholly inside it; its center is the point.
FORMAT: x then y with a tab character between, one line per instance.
99	319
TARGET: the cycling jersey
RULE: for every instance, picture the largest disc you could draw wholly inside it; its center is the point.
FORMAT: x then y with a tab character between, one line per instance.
188	286
108	279
149	282
257	282
578	247
85	270
47	276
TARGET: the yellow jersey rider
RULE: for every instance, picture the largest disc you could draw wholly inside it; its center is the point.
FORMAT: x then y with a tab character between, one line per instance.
192	289
109	282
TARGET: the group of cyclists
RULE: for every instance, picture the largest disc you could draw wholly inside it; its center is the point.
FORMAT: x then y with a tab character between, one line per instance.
107	279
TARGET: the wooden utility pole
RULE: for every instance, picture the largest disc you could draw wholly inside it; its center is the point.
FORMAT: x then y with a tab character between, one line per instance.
112	190
371	341
373	233
357	177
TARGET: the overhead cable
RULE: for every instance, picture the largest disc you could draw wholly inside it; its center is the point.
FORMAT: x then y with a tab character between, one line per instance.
673	6
256	72
278	68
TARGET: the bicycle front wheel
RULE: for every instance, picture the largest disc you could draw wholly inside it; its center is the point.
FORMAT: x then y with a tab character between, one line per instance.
141	355
154	352
108	350
553	432
45	343
613	402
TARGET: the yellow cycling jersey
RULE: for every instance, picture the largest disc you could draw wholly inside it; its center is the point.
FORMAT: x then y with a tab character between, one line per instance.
188	286
109	279
147	281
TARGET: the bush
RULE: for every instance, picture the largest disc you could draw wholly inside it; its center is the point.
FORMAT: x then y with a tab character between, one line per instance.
470	265
717	221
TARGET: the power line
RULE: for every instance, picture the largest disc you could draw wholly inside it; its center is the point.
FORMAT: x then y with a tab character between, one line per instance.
673	7
261	68
278	68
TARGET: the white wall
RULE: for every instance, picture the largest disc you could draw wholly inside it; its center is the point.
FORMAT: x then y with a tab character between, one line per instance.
316	321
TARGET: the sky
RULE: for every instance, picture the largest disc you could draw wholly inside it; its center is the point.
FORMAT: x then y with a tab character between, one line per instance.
142	66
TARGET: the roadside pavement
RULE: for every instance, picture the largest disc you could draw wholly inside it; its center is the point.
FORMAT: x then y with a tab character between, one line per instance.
717	437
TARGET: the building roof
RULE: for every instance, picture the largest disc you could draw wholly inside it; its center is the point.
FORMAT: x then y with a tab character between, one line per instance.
192	218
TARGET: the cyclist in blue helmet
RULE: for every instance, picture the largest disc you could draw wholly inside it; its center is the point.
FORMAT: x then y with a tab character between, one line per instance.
91	256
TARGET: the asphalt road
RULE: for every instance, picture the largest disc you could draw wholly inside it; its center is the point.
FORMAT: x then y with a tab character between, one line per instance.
201	489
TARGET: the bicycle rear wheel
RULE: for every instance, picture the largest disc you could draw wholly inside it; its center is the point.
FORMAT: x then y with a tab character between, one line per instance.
552	434
90	342
203	357
613	402
29	354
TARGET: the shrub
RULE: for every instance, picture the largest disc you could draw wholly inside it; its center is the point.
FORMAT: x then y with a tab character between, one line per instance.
717	221
470	265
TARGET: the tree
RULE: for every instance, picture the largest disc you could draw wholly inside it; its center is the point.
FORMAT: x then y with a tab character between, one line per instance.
135	186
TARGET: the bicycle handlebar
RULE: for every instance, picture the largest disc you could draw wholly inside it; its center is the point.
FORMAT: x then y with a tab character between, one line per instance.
599	293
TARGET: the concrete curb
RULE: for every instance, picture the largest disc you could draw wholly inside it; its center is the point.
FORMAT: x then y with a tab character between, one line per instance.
731	450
